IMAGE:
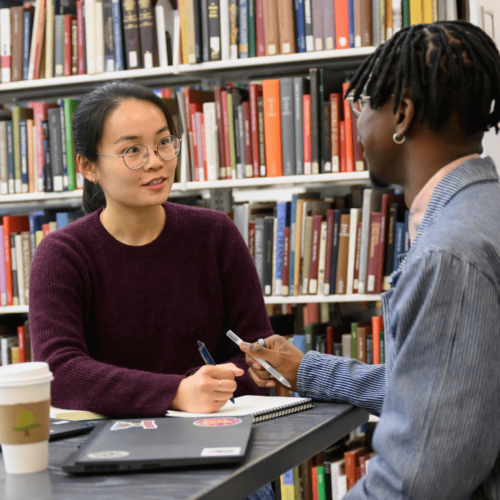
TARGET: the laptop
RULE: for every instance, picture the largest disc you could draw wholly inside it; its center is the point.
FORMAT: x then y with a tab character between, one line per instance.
138	444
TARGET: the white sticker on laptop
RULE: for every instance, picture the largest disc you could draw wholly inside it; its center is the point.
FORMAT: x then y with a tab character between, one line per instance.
108	454
145	424
221	452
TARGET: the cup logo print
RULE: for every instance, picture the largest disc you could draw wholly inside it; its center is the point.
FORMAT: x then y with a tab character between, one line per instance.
26	421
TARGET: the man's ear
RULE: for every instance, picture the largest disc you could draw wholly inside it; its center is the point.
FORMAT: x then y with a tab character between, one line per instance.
86	167
405	115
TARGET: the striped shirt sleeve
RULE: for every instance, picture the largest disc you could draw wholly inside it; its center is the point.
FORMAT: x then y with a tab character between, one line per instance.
343	380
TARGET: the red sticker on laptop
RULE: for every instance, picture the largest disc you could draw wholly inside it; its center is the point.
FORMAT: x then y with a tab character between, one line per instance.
217	422
145	424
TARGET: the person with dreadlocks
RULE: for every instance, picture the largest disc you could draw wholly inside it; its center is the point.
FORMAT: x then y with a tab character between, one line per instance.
424	100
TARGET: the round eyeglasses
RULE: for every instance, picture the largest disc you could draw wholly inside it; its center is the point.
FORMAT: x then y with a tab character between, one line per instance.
135	157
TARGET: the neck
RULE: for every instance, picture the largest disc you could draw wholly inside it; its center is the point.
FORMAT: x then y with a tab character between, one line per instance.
427	156
133	226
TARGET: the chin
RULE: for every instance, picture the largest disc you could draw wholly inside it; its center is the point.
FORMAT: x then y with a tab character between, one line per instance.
376	181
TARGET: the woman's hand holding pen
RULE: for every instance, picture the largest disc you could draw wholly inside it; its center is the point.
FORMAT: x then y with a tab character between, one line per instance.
282	355
207	390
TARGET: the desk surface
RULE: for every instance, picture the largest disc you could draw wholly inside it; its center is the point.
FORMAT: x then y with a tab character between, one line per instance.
275	447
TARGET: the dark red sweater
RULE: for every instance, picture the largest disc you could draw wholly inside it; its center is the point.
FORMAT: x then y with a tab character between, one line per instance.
118	324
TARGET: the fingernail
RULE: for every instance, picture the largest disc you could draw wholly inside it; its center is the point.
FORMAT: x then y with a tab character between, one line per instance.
255	365
270	384
245	345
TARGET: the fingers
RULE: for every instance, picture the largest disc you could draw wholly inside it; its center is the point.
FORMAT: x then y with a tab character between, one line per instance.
224	387
261	381
225	371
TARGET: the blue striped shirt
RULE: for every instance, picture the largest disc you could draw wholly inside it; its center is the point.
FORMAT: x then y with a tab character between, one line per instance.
438	395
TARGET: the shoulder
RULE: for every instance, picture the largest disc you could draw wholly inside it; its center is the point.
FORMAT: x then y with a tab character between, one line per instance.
200	220
466	230
70	242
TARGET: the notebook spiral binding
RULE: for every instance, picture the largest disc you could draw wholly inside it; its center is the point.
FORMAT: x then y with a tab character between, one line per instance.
286	410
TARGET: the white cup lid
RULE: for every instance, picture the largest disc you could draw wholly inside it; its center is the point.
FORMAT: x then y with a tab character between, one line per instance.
28	373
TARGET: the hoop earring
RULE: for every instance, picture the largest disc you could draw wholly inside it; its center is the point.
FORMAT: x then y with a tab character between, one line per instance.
95	180
398	141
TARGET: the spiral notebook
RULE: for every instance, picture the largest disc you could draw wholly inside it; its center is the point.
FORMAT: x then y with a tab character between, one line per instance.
260	407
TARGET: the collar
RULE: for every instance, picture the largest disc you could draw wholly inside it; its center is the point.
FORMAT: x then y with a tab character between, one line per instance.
421	201
468	172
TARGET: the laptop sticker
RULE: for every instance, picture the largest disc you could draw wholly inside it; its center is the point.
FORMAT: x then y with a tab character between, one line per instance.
145	424
220	452
108	454
217	422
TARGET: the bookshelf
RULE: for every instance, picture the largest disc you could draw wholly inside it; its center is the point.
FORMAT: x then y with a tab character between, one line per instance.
301	299
185	74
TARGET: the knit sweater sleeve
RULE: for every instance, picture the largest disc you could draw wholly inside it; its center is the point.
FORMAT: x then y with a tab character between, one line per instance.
60	300
245	310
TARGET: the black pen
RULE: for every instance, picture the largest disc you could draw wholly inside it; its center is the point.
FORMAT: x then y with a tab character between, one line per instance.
207	358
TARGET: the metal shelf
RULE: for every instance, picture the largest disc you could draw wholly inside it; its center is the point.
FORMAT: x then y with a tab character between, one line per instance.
185	74
14	309
307	299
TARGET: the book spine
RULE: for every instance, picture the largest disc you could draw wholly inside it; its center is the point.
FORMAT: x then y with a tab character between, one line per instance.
210	124
343	254
315	136
374	248
272	126
350	7
17	149
4	161
259	28
233	29
306	104
147	35
285	273
247	139
50	45
366	24
10	157
328	25
358	254
74	46
328	252
307	237
15	280
16	27
271	27
3	272
67	46
335	131
90	36
286	26
58	46
56	149
348	133
232	140
315	248
26	262
298	94
322	258
99	36
287	125
108	35
355	216
317	24
205	42
220	128
259	249
300	23
243	29
254	125
239	141
252	41
81	37
27	30
131	34
268	254
326	145
23	133
262	146
227	146
280	219
225	37
62	135
214	27
308	22
389	245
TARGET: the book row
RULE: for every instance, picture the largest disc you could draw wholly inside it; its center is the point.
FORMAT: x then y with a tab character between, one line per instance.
63	38
36	149
331	473
15	344
212	30
20	236
313	246
273	128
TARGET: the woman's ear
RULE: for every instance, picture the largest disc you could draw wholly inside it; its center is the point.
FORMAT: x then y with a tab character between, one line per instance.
86	168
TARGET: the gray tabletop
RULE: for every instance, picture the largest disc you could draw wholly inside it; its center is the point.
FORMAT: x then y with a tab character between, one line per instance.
275	446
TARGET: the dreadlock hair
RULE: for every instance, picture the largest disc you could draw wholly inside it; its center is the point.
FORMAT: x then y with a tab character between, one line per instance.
444	67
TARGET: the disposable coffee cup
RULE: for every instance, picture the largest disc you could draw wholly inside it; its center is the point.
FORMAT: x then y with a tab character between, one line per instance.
24	416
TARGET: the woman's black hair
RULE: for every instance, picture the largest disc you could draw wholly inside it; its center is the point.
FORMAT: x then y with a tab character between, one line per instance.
445	67
88	122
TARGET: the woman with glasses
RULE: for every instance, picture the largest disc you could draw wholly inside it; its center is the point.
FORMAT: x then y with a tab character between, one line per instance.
120	297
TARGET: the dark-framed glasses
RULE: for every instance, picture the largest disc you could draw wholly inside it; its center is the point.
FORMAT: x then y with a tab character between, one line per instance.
358	104
136	156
